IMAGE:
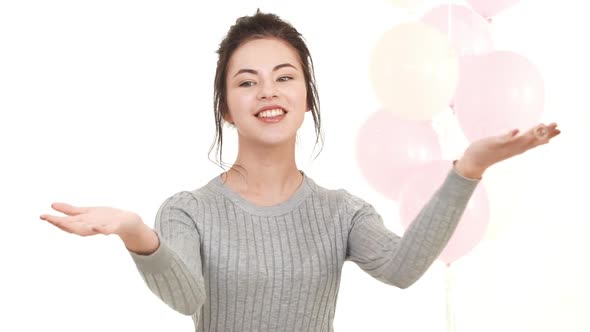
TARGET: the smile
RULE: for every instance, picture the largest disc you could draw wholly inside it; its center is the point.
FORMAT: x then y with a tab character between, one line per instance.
271	115
272	119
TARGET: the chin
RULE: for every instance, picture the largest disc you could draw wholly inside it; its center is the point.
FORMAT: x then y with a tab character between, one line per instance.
275	141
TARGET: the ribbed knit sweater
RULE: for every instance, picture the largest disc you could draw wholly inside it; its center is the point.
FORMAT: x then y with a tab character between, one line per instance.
236	266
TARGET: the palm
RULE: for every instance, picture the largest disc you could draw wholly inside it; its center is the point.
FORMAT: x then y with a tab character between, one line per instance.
85	221
490	150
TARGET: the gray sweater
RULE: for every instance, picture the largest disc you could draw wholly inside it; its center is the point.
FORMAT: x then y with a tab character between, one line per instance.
236	266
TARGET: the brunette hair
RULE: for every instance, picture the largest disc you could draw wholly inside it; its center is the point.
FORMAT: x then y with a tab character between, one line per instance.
247	28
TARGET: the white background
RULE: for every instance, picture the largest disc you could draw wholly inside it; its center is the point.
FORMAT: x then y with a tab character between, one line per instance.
110	103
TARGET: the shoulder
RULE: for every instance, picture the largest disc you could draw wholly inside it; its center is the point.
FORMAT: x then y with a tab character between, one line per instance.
355	205
190	198
205	195
345	200
182	200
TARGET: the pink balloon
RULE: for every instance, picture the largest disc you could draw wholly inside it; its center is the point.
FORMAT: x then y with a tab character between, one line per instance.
469	32
421	185
388	147
489	8
497	92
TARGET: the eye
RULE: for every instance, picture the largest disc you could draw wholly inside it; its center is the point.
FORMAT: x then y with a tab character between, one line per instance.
246	84
284	78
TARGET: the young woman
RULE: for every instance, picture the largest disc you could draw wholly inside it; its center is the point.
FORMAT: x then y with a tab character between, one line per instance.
261	246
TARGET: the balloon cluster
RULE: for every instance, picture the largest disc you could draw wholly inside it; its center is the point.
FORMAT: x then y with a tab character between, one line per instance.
420	68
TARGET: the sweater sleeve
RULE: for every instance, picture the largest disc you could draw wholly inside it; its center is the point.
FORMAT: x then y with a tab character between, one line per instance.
174	272
401	261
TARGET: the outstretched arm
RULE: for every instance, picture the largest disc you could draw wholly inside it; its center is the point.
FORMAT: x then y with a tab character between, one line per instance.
400	261
167	258
173	272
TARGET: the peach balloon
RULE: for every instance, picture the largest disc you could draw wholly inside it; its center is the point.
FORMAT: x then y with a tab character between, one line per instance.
414	71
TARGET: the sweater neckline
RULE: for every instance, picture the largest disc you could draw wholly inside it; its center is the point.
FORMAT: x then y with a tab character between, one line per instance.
272	210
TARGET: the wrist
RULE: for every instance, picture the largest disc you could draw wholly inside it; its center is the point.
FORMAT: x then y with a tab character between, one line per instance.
468	170
131	227
141	239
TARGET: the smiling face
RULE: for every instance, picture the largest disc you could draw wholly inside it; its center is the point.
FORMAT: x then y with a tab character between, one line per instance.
266	92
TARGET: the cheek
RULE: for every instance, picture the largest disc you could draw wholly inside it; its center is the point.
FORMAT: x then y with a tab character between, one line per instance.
301	97
234	101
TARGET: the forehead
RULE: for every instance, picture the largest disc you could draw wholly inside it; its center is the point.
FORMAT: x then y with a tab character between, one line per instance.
263	54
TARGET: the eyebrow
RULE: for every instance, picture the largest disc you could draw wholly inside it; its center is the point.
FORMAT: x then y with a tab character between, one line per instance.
252	71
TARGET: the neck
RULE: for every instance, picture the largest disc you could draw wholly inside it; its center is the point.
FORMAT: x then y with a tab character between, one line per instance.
264	174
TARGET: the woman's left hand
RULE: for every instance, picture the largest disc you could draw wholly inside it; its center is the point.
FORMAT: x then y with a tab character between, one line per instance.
487	151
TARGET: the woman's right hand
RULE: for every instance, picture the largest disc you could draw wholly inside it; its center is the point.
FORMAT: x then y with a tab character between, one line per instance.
85	221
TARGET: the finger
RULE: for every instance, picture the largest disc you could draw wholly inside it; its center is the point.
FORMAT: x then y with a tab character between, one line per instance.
508	137
551	132
60	226
552	128
59	222
68	209
545	133
77	228
513	132
522	142
70	224
555	133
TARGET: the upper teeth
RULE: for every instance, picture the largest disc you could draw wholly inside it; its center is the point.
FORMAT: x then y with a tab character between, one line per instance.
271	113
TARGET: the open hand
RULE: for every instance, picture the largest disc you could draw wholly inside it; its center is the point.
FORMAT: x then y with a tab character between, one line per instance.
85	221
487	151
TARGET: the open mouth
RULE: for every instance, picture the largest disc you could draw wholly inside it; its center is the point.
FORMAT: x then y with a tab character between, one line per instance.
271	113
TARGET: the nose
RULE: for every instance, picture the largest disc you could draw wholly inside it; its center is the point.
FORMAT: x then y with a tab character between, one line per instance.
267	90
